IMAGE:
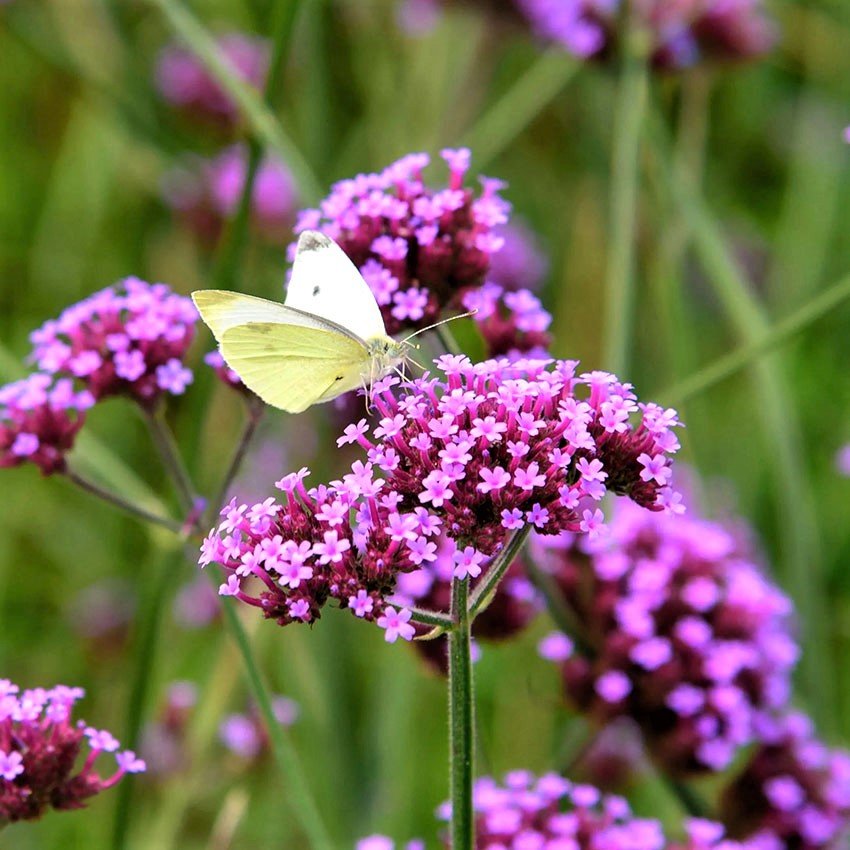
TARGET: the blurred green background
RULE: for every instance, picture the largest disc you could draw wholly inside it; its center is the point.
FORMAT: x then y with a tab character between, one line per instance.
84	146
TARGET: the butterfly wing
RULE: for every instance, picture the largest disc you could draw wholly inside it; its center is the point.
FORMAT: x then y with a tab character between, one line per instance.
326	283
222	311
292	366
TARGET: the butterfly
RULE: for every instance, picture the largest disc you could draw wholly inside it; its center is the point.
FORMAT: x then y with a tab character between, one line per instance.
328	336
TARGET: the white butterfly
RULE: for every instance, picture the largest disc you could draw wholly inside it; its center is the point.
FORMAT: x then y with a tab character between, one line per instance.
327	337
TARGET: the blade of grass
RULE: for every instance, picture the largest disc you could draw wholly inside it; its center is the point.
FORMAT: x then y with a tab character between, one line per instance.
784	330
519	106
620	272
259	117
799	555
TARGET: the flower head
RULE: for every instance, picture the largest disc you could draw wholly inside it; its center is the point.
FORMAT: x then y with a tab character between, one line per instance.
793	791
184	82
682	632
681	34
39	421
456	463
418	248
519	263
205	193
245	735
39	747
129	339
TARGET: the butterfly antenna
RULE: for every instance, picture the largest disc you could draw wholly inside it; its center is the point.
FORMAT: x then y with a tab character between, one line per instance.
441	322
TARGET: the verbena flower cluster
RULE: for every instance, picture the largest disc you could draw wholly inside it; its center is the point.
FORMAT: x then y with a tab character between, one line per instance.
513	605
551	813
458	461
520	263
163	744
39	421
419	249
682	632
205	194
185	84
793	790
245	735
129	339
512	323
681	34
40	747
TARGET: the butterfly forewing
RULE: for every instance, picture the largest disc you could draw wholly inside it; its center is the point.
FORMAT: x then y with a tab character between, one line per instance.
326	283
292	367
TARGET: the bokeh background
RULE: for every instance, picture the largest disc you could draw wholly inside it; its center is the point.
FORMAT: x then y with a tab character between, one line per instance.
87	156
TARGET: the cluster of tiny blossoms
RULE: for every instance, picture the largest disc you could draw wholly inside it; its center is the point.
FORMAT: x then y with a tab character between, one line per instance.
513	323
549	812
39	749
681	630
458	462
793	791
186	85
39	420
681	34
205	194
418	249
128	339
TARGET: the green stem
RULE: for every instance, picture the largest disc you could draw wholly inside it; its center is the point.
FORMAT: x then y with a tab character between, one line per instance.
483	593
257	114
149	618
461	720
430	618
781	332
519	106
121	503
689	800
233	243
255	415
302	803
170	454
628	120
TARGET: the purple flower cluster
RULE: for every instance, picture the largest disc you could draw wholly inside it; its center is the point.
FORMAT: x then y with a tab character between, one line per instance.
39	420
419	249
185	84
40	747
512	323
519	263
163	743
459	463
245	735
682	33
682	630
793	791
128	339
525	811
513	606
205	194
224	373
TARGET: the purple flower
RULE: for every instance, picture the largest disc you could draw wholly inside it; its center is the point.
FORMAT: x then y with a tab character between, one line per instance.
419	491
245	735
105	339
519	263
39	746
396	624
419	249
682	632
39	421
184	82
793	791
205	193
842	460
681	34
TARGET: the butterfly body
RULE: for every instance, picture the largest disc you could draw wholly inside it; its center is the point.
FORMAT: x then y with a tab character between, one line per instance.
327	338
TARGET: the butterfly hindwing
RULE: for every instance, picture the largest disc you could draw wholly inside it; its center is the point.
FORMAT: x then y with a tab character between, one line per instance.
292	367
326	283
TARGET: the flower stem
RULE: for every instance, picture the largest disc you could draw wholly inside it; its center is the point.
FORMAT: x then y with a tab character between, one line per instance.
120	502
628	119
302	803
255	416
148	630
483	593
170	455
430	618
461	719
